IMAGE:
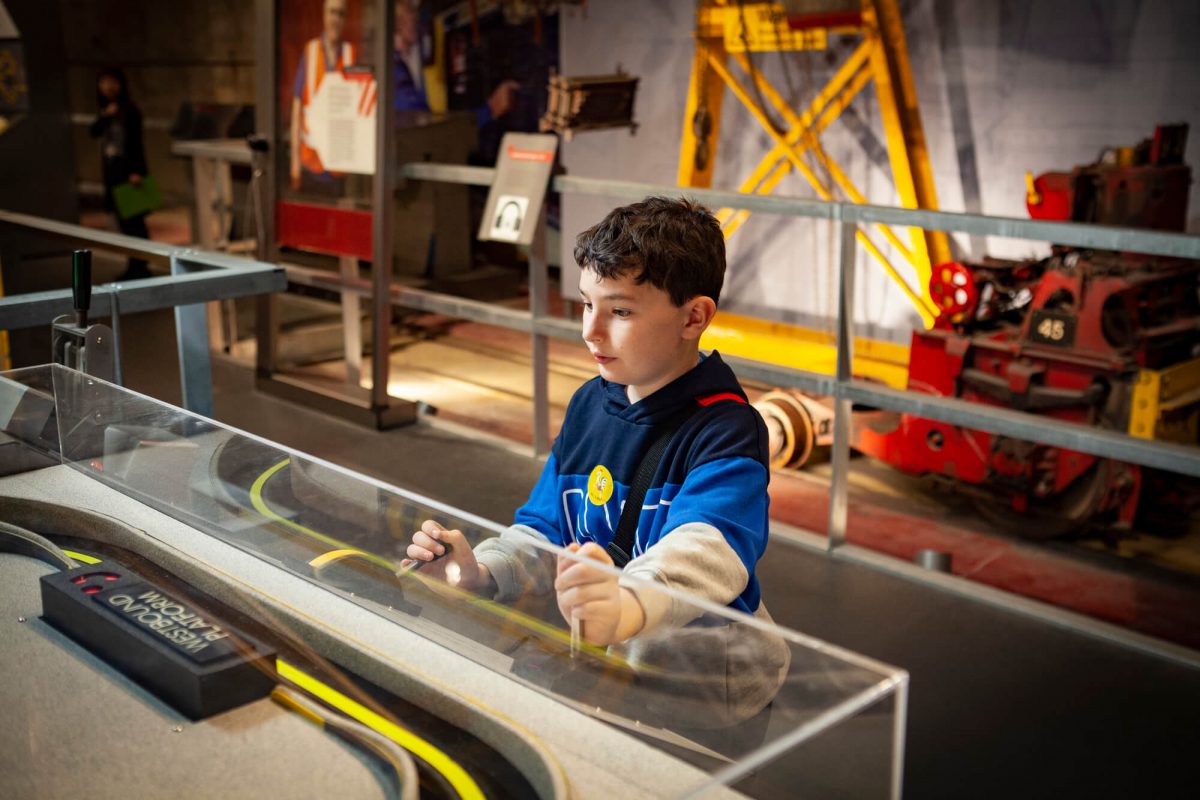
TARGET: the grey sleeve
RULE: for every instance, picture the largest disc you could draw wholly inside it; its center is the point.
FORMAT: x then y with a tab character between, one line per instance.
694	558
715	675
516	565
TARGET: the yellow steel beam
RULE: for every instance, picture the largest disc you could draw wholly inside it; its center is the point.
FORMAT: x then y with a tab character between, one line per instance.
881	56
804	348
731	220
921	305
1143	406
761	181
807	131
902	124
1166	403
702	117
851	78
760	27
759	114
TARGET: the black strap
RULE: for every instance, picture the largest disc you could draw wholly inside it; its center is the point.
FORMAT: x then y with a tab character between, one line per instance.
621	546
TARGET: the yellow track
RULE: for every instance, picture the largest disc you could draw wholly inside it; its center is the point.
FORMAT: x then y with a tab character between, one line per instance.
450	769
342	549
81	557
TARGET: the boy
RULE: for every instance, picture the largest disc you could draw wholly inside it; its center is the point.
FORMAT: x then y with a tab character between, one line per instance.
651	277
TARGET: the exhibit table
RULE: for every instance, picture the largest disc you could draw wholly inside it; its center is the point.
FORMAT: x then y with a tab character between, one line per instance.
182	601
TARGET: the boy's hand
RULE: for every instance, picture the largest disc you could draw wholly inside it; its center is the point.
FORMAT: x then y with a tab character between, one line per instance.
455	561
607	613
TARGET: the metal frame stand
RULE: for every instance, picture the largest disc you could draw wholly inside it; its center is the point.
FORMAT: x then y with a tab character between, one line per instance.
374	406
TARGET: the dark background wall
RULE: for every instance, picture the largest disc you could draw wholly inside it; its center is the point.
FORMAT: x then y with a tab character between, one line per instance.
198	51
36	159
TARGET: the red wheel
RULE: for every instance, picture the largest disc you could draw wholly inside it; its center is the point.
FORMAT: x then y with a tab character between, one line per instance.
953	290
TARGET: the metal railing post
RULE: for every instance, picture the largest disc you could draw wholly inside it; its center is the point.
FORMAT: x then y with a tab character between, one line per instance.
840	453
266	307
383	206
899	725
539	307
195	361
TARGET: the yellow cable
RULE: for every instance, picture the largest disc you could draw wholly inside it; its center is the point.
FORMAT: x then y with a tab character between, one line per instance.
261	507
333	555
435	758
529	622
252	591
86	559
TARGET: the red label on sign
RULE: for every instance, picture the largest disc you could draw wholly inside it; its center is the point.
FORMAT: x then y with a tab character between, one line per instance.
517	154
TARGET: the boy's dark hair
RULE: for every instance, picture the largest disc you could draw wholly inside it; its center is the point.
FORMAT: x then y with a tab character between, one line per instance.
674	243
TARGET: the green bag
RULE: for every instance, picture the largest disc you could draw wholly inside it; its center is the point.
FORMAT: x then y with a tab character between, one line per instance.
134	201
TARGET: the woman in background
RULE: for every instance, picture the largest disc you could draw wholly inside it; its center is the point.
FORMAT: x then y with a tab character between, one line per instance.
123	158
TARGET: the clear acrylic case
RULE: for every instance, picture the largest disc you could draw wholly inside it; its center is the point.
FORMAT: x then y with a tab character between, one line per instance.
749	705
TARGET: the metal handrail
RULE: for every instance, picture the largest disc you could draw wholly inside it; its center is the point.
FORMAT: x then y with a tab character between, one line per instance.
132	245
197	276
1086	439
843	387
1100	237
34	309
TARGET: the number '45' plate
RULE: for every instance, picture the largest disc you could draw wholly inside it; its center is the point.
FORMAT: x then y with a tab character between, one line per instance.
1052	328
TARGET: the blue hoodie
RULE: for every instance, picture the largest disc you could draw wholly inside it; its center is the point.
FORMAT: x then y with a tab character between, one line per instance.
708	494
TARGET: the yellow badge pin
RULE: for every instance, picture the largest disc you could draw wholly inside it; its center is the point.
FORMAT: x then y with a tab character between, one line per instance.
600	485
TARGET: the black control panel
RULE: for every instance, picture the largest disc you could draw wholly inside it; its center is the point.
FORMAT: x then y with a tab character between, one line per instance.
180	652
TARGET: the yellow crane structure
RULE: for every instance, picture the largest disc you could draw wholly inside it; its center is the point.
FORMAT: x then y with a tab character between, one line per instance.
729	33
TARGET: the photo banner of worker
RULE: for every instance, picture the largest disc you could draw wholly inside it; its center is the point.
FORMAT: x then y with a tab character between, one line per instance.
326	94
522	177
341	122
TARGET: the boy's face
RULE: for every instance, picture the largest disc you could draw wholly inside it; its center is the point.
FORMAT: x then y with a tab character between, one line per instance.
637	336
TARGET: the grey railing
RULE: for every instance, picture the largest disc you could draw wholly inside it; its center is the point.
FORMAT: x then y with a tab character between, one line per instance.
1108	444
252	277
196	277
842	386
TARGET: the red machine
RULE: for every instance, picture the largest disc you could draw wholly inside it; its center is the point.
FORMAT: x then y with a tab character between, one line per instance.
1083	336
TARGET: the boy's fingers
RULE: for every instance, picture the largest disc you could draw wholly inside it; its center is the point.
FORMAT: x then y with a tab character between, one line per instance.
576	596
573	571
592	611
418	553
570	573
576	575
566	563
452	538
427	542
596	553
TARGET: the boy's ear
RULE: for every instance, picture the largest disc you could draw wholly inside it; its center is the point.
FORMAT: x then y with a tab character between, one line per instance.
700	312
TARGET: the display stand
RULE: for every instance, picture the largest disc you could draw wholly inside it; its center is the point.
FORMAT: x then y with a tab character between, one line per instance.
308	552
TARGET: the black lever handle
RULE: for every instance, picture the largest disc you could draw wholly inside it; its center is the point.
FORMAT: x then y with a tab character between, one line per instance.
81	285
